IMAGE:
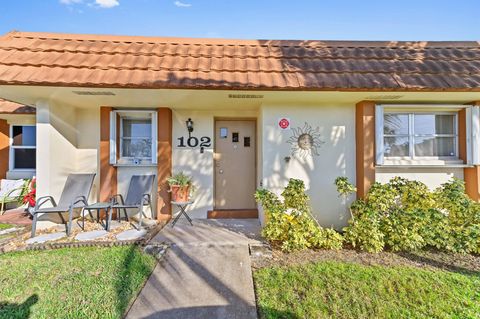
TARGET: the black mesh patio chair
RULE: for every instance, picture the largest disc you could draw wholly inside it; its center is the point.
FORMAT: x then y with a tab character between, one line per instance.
74	197
138	195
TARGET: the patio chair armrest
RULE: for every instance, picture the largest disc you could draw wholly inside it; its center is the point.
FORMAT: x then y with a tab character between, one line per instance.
79	199
44	199
12	191
114	199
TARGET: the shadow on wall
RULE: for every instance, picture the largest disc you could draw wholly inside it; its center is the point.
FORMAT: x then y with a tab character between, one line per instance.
318	172
57	123
200	167
18	310
64	159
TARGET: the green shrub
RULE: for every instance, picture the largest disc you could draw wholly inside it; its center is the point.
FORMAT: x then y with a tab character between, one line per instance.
404	215
344	187
402	230
364	233
381	198
435	229
290	224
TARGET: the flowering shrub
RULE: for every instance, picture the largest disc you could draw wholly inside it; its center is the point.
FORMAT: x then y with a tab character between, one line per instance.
30	197
405	215
290	224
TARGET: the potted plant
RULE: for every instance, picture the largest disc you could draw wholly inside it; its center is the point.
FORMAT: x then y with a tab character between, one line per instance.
180	187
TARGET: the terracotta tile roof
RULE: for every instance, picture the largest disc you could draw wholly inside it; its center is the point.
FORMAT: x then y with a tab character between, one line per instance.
7	107
148	62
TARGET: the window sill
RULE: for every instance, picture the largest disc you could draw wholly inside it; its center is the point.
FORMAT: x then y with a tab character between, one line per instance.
425	165
135	165
17	174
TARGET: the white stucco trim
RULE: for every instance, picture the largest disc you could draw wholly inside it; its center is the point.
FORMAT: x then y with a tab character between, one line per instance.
475	134
113	138
154	138
468	134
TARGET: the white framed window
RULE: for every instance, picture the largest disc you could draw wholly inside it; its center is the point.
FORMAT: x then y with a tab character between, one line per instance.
133	137
412	134
418	135
23	147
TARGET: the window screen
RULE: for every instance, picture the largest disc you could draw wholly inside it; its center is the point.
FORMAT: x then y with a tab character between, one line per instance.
136	138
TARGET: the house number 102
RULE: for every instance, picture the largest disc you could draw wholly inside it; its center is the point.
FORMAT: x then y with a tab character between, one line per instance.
193	142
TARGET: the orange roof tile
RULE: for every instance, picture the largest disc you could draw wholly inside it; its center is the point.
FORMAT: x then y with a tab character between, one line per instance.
7	107
161	62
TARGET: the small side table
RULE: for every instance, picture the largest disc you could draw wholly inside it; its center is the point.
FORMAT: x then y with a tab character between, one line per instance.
182	206
98	207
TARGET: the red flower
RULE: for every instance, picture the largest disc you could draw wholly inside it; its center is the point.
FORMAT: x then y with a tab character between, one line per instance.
31	195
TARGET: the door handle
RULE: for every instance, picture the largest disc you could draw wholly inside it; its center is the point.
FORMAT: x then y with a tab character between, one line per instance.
220	171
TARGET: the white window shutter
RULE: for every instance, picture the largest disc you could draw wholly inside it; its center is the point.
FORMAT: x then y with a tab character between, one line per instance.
475	134
113	137
468	134
379	135
154	137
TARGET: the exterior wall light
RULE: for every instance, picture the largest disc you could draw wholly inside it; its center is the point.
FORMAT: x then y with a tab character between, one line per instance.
189	123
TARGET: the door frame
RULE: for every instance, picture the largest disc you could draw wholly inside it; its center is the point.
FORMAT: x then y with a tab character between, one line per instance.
233	119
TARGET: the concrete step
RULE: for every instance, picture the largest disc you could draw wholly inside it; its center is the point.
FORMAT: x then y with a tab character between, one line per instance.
232	213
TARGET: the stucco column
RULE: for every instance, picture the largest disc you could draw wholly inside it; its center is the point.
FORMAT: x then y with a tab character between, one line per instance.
56	146
164	170
4	147
471	175
43	167
365	146
108	172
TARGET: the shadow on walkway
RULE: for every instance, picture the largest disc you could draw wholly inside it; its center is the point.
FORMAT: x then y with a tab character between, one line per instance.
206	273
200	311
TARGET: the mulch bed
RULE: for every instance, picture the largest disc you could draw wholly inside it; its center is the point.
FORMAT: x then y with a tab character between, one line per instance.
16	216
423	259
18	242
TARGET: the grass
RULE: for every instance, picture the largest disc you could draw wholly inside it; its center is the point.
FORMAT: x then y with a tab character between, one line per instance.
332	289
5	226
72	283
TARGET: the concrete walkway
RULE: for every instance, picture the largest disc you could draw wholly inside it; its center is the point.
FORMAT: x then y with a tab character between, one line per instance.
206	272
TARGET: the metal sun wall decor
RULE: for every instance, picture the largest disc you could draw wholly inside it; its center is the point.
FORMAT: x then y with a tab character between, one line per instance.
305	141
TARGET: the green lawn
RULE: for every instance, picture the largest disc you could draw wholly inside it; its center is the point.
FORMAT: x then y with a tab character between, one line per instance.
332	289
5	226
72	283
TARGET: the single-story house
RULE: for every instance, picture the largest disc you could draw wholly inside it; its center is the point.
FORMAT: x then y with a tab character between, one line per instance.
262	112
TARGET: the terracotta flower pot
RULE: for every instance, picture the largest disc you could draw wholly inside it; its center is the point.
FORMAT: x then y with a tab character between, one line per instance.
180	193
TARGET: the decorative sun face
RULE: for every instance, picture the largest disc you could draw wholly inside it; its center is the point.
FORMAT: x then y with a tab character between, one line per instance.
305	141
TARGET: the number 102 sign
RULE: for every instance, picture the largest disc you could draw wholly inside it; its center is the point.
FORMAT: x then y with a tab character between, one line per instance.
193	142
